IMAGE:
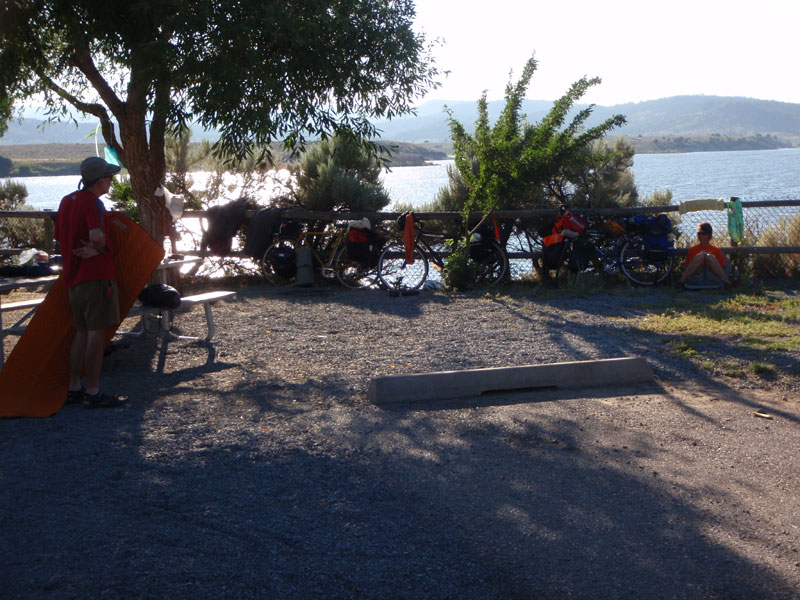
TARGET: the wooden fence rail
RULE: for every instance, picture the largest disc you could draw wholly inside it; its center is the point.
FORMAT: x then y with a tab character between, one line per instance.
380	217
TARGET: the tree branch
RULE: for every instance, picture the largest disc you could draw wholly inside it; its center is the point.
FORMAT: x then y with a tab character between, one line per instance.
82	60
91	108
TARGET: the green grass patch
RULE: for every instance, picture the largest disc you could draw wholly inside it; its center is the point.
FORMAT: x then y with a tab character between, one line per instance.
733	372
762	369
684	347
759	321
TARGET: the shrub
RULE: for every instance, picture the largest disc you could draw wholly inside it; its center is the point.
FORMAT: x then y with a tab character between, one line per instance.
340	173
773	266
19	233
5	166
460	272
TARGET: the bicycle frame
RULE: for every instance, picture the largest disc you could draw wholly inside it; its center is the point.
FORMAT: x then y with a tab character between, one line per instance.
425	238
323	242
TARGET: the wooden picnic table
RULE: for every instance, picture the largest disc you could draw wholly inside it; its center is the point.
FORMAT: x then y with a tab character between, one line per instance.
9	284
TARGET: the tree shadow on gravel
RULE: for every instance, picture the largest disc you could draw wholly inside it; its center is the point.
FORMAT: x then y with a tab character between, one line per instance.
355	504
374	301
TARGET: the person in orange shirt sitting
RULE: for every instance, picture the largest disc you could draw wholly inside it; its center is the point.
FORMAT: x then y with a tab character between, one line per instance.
704	256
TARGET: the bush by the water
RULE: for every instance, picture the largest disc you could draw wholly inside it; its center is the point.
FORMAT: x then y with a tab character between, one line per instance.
786	232
19	233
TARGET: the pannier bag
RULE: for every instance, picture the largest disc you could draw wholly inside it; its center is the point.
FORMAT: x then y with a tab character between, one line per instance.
482	244
566	225
495	229
553	255
582	252
656	236
284	261
363	244
290	230
480	250
570	225
260	231
160	295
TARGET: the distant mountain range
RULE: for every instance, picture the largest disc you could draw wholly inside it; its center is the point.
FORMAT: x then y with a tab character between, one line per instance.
688	116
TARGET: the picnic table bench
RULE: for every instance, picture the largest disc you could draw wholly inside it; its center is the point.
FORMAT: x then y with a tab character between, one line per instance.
164	316
148	314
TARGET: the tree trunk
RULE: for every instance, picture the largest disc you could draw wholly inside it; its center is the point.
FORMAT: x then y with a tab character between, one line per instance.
146	165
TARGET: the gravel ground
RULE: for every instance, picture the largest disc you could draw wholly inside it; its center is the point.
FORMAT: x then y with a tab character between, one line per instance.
257	468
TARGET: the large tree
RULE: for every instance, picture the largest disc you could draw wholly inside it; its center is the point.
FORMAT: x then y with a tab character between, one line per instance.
257	70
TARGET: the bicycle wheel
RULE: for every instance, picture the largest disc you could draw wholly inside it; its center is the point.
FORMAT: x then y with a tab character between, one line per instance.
393	272
642	268
492	265
279	264
352	273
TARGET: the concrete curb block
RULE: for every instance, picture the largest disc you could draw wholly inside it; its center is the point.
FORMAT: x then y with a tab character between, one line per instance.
458	384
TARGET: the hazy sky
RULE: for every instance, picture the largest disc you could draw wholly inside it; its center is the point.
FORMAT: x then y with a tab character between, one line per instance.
642	50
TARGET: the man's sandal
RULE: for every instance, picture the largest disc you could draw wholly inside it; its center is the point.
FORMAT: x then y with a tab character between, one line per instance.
75	396
101	400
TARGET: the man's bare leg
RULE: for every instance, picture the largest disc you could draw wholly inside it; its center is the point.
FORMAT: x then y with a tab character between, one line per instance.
94	359
77	355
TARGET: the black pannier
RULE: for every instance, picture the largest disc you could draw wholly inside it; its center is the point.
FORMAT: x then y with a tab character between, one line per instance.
160	295
364	246
582	253
284	261
553	255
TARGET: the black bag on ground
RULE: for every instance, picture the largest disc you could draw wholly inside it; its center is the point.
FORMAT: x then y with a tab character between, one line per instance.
160	295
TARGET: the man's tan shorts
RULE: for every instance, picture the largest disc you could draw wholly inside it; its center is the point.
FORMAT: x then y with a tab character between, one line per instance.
95	305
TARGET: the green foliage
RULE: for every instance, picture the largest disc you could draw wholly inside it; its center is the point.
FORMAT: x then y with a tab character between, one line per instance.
602	177
658	198
785	233
19	233
340	173
5	166
454	196
520	165
6	106
762	369
121	194
460	273
12	195
514	164
256	72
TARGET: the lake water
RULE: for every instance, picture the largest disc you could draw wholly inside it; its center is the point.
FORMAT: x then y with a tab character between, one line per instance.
750	175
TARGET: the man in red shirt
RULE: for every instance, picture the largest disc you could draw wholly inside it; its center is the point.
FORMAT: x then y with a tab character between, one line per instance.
88	271
704	256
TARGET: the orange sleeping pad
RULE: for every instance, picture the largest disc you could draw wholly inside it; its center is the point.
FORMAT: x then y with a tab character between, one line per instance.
35	378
